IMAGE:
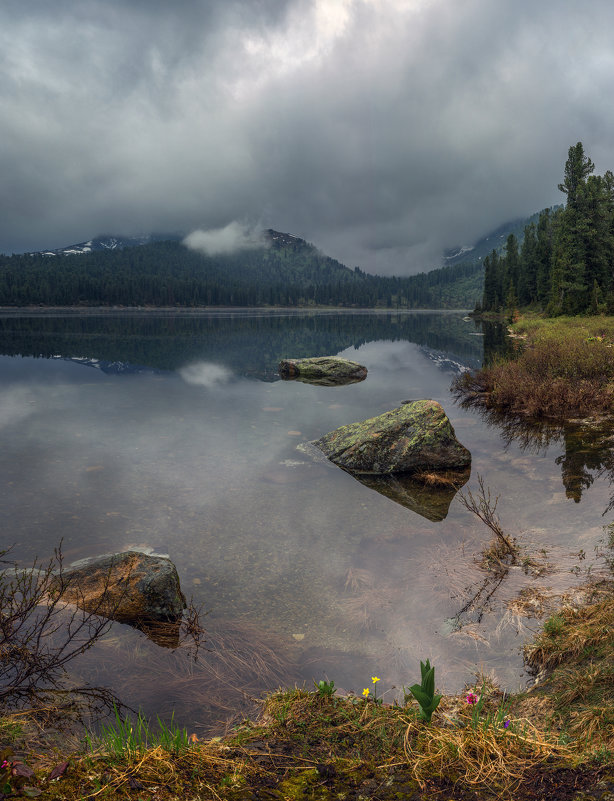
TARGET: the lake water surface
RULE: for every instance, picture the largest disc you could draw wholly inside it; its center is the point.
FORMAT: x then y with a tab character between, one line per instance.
172	433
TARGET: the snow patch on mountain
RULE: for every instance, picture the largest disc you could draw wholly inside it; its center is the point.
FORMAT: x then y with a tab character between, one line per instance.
455	254
107	242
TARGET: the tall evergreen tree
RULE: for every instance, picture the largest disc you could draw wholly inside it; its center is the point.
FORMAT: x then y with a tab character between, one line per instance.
512	264
527	278
577	169
571	276
493	296
543	258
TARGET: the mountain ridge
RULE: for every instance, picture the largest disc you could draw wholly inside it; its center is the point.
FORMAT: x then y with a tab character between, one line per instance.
284	270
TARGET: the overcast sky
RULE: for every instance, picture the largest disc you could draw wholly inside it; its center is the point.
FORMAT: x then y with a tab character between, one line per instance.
383	131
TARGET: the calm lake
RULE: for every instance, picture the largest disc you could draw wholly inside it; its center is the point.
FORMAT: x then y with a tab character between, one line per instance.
172	433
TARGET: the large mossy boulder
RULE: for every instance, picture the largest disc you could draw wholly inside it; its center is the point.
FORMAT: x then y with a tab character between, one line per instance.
416	436
130	587
323	370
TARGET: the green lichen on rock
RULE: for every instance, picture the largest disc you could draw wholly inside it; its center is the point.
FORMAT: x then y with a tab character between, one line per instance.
416	436
325	370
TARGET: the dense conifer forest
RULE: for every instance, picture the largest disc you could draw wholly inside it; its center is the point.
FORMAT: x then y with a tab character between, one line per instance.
565	264
286	272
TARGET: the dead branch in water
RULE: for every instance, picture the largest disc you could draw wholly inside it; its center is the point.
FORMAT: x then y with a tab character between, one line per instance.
485	508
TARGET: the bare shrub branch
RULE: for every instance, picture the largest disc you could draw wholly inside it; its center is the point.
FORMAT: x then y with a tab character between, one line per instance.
39	633
485	508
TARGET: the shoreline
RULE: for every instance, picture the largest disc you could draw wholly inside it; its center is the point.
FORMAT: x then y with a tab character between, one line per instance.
554	740
562	369
42	310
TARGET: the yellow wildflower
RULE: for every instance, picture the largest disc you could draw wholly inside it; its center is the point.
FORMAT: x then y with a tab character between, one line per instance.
374	679
365	692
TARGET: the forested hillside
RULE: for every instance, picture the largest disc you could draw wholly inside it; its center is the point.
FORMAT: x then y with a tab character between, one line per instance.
565	264
286	272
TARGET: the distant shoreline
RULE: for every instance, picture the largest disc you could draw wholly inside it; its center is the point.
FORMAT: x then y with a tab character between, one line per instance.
85	310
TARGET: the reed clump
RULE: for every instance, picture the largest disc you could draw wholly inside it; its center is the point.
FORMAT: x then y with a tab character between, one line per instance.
565	369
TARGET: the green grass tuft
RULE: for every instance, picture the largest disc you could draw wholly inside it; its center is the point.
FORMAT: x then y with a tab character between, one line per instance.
124	736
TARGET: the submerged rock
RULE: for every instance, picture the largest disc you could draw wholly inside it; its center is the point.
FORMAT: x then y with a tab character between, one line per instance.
130	587
416	436
428	495
323	370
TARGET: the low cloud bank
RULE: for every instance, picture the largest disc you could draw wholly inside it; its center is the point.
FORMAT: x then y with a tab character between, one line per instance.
233	237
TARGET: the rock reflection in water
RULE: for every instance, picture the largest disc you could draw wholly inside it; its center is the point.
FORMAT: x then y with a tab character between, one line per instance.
325	381
166	635
426	494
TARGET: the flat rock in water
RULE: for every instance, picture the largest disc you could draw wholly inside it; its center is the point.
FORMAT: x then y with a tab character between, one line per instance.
130	587
416	436
323	370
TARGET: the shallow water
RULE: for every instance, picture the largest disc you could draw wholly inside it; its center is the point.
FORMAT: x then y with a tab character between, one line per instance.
172	432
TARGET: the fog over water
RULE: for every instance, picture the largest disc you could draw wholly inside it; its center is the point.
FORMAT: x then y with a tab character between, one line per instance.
291	557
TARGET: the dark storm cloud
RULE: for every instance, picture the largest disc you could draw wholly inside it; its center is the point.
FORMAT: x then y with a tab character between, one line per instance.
381	130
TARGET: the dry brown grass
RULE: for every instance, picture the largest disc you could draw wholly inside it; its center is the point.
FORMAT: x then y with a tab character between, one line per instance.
575	657
565	370
573	631
482	757
441	479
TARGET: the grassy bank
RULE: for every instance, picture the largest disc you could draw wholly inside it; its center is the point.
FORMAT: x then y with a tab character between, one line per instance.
554	741
563	368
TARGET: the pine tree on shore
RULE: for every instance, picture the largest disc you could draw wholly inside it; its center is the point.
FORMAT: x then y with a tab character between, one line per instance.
566	262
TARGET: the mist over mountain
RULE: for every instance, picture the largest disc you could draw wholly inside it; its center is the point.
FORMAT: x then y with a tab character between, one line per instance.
495	240
235	265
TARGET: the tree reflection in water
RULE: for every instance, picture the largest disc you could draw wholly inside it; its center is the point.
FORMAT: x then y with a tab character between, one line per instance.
588	444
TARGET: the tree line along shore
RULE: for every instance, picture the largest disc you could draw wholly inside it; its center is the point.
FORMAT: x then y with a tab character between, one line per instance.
564	264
